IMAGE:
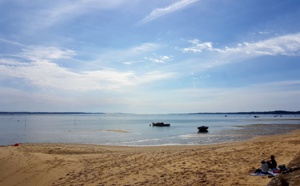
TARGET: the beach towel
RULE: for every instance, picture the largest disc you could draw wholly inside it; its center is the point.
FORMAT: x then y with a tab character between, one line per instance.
273	173
258	174
264	174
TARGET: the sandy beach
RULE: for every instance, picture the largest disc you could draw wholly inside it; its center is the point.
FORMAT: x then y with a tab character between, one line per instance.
72	164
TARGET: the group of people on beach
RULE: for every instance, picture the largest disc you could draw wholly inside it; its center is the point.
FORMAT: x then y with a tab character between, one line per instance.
266	165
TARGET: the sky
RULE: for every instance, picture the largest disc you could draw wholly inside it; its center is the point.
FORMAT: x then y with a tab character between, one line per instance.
149	57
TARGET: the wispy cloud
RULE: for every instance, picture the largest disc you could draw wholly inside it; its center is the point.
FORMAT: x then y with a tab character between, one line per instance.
159	58
128	56
288	45
202	56
58	12
46	53
159	12
37	67
11	42
197	46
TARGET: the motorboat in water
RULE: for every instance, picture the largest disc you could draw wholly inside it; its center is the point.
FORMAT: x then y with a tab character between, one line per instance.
160	124
203	129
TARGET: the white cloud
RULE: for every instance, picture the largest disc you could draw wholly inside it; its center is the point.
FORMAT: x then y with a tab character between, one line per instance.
154	76
163	11
264	32
159	58
40	71
10	62
288	45
46	53
198	46
208	56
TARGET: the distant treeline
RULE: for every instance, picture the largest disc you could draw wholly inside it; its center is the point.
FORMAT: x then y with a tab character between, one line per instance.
51	113
277	112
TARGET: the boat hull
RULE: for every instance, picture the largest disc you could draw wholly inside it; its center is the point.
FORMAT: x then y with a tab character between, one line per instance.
160	124
203	129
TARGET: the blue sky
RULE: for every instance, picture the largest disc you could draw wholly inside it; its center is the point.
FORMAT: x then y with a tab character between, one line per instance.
138	56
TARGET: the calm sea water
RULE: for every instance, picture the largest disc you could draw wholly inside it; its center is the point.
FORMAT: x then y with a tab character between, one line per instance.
134	129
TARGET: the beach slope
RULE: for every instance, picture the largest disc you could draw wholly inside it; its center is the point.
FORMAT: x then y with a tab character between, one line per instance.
71	164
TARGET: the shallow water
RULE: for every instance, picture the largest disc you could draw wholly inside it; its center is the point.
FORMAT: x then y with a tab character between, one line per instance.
134	129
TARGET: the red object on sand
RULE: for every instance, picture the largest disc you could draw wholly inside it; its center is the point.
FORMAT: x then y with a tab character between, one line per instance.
16	145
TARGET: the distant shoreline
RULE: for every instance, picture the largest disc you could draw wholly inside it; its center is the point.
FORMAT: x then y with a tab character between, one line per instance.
278	112
253	112
7	113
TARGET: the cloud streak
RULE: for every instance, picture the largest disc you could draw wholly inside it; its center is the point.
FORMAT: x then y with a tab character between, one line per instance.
288	45
46	53
159	58
159	12
11	42
37	67
54	13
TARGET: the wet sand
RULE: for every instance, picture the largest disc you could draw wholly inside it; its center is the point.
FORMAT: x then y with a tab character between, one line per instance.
77	164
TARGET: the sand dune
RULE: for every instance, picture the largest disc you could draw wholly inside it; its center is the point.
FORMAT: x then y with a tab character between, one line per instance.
76	164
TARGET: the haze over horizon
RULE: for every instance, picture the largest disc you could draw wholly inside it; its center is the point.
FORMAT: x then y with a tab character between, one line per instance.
172	56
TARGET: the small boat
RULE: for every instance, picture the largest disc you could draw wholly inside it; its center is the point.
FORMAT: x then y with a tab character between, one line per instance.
203	129
160	124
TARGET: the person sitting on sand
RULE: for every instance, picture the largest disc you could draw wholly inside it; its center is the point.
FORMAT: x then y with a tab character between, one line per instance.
264	167
272	163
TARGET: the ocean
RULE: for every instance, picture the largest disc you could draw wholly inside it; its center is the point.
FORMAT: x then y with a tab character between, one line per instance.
135	129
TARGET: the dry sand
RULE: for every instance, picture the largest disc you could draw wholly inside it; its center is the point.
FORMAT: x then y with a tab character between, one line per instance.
70	164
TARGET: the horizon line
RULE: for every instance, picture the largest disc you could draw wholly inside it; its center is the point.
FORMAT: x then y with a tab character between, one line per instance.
79	112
